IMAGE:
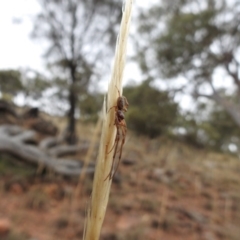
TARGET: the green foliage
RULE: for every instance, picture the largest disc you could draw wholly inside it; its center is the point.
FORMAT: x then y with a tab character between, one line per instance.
34	86
187	35
10	82
151	111
221	130
188	130
90	105
218	131
13	82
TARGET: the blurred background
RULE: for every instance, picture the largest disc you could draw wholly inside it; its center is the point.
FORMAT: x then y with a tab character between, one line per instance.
179	176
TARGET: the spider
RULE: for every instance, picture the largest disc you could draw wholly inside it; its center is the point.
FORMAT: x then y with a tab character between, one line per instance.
120	123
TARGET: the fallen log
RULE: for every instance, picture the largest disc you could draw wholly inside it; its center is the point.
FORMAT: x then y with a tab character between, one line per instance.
59	151
13	141
50	142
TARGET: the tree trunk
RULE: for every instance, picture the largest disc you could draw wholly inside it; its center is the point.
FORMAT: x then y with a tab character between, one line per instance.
71	136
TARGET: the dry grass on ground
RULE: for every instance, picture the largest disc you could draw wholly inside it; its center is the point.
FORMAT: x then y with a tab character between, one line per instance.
163	190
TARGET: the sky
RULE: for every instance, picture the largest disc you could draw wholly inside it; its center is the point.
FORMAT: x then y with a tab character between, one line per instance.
18	50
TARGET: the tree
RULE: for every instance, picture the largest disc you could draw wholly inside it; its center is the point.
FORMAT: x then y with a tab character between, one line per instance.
151	112
79	34
10	82
221	131
216	130
198	44
28	82
90	106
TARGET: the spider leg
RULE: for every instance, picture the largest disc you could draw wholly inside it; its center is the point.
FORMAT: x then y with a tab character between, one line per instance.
124	132
118	91
114	145
123	125
114	154
111	108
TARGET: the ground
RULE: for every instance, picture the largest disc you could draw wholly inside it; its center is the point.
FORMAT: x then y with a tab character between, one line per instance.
163	190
